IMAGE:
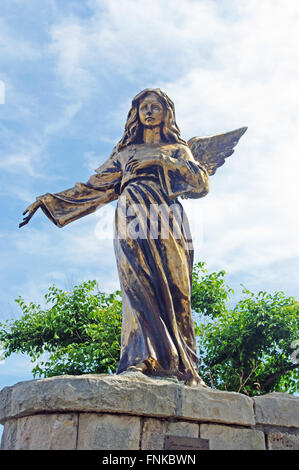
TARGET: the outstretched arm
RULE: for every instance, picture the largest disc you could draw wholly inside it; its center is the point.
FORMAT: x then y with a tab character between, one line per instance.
83	199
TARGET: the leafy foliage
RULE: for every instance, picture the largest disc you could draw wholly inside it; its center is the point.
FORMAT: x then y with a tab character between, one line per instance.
210	293
80	331
247	348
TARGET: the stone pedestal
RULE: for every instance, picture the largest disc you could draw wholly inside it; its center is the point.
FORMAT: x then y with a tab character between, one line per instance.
134	412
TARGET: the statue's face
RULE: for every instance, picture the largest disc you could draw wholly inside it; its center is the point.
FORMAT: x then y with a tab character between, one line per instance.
151	111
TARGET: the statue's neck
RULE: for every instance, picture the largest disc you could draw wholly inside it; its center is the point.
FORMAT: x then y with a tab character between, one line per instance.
152	135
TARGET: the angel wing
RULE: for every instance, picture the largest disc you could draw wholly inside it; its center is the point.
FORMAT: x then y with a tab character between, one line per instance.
212	151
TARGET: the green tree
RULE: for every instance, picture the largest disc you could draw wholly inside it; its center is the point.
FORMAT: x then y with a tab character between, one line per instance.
248	348
79	331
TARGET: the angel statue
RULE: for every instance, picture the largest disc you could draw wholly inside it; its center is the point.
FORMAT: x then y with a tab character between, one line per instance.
150	168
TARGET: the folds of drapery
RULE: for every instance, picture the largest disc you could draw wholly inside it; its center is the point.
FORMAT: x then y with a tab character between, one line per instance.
84	198
178	176
155	274
155	277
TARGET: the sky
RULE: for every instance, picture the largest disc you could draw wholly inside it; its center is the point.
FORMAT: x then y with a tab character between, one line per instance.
68	73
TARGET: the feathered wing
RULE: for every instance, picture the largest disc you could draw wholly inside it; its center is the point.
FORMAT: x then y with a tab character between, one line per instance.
212	151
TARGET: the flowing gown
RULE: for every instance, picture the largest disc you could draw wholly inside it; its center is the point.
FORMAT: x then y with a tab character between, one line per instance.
153	249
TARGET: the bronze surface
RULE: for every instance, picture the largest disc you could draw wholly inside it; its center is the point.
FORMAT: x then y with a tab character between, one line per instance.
148	170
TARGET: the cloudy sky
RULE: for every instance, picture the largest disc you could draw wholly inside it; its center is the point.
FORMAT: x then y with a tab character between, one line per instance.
68	72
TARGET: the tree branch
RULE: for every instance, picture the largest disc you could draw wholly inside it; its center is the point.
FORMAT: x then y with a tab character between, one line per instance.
242	385
271	378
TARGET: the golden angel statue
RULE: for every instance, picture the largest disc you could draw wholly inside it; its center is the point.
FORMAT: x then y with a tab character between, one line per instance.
150	168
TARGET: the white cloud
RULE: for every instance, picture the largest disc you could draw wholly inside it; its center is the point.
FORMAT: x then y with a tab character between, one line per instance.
2	92
67	114
156	38
250	216
92	161
15	47
16	162
23	155
225	66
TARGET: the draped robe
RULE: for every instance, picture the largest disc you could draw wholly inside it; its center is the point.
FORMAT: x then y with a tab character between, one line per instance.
155	269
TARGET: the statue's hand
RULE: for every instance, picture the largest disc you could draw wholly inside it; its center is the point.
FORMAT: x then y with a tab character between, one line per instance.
134	164
31	211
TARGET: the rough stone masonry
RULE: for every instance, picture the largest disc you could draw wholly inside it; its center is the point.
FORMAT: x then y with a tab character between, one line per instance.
132	411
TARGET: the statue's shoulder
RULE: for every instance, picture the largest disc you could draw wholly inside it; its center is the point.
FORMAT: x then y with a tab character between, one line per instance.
183	151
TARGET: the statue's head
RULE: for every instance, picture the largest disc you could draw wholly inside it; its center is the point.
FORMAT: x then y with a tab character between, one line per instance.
163	114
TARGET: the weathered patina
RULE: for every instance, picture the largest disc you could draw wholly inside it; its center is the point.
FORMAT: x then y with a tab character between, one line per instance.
147	171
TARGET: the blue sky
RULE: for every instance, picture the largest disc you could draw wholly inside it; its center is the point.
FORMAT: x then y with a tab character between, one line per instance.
69	71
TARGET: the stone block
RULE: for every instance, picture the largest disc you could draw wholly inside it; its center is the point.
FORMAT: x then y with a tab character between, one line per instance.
128	394
154	432
108	432
183	429
283	441
131	411
277	409
9	435
216	406
41	432
230	438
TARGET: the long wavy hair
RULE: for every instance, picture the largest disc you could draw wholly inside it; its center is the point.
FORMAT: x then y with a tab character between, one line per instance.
134	129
